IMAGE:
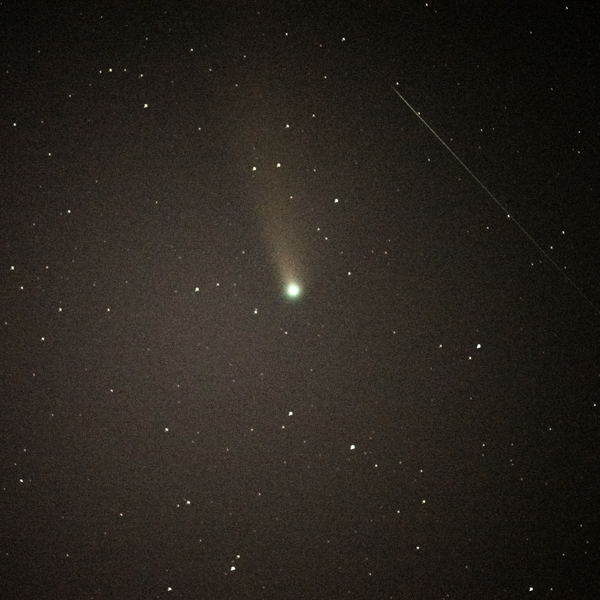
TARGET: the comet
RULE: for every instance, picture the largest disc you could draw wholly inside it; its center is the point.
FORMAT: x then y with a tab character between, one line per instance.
293	290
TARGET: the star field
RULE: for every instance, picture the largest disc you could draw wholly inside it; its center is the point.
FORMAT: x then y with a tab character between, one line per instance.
263	337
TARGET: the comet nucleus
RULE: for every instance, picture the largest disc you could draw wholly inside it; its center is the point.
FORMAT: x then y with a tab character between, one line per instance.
293	290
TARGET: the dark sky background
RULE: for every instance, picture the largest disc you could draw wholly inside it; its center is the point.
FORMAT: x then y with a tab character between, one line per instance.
422	421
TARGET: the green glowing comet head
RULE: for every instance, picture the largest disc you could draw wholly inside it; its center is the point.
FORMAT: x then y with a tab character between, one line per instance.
293	290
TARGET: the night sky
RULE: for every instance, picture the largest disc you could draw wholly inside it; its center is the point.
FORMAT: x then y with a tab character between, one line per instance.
263	336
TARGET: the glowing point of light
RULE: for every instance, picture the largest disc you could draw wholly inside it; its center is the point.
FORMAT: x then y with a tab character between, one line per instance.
293	290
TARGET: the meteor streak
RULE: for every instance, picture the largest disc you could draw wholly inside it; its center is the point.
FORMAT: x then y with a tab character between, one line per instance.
485	189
